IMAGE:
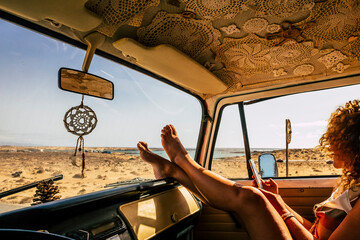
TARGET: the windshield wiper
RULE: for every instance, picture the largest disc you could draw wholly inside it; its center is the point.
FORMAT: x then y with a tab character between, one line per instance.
28	186
128	182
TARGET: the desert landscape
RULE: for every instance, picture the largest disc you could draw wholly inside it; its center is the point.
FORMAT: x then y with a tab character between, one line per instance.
24	165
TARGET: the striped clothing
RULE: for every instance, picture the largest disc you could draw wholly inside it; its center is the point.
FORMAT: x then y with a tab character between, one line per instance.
330	213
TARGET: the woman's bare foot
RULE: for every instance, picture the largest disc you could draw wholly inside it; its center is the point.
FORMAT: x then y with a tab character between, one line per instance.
171	144
161	166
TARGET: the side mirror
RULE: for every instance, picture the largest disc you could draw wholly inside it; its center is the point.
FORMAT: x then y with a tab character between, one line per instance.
85	83
268	166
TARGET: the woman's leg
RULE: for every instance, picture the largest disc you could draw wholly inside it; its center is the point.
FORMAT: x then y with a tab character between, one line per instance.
247	204
164	168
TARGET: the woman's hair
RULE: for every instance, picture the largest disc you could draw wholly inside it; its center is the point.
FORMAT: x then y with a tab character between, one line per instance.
342	135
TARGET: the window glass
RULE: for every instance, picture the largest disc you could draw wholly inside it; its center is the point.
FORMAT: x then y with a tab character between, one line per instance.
34	144
308	114
229	155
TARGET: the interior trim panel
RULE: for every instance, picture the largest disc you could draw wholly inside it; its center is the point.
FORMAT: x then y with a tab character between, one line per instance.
154	214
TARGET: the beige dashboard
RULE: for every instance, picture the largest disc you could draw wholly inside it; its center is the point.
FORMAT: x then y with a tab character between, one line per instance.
152	215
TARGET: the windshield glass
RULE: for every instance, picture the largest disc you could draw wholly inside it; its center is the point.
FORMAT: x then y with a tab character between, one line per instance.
34	143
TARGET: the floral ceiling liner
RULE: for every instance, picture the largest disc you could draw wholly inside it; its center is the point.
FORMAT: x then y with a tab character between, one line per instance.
117	13
194	38
245	42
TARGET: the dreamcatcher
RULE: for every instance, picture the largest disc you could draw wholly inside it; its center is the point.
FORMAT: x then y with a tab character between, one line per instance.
80	120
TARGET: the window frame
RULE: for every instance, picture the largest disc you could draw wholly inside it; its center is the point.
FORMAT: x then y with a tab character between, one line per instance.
247	101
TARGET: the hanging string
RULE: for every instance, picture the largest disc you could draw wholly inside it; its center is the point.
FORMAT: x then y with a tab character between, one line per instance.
80	147
83	158
82	144
82	101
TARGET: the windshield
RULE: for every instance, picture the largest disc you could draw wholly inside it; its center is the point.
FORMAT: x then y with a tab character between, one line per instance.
34	143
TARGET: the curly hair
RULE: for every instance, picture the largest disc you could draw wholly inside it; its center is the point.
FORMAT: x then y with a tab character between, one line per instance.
343	135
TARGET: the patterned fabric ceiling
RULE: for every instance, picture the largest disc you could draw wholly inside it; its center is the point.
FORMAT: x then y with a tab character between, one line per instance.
245	42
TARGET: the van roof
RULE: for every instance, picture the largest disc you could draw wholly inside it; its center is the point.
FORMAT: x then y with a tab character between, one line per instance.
212	49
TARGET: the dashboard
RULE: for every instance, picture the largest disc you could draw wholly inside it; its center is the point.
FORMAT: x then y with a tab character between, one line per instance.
160	209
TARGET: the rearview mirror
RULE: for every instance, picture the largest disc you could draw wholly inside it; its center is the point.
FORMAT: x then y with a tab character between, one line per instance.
85	83
268	166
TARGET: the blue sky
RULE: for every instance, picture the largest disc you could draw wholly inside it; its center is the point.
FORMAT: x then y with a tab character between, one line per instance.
32	106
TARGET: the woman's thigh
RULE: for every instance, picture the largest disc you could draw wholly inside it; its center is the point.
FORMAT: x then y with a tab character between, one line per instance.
260	218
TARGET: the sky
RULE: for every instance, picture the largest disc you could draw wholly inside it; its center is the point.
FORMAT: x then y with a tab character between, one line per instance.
33	107
308	113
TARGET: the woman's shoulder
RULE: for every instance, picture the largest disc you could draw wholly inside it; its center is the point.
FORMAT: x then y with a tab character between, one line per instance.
354	187
350	226
354	193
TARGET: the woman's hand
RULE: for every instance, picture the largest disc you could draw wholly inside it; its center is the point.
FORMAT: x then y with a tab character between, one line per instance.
271	192
275	200
268	185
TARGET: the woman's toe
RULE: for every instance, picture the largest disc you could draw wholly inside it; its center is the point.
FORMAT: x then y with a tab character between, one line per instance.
141	146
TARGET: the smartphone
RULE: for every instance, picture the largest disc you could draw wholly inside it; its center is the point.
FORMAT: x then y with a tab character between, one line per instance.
256	174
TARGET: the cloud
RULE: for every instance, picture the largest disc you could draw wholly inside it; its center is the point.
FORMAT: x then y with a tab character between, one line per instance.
17	54
64	47
320	123
313	135
107	74
55	45
159	106
74	54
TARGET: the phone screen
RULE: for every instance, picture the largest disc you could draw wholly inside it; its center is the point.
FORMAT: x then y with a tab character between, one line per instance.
256	173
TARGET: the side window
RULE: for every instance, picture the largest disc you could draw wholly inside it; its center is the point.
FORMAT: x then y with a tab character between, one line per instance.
308	113
229	156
